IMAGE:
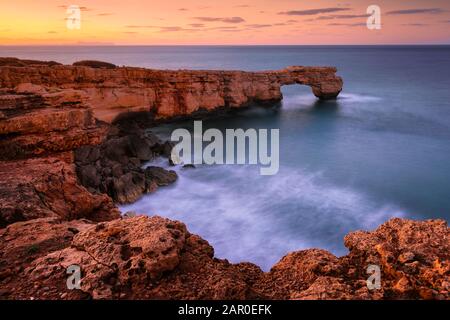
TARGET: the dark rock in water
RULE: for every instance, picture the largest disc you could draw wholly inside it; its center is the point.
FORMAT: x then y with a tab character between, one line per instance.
189	166
152	139
165	149
139	148
116	170
88	176
127	188
114	167
161	176
95	64
116	149
134	162
150	185
87	154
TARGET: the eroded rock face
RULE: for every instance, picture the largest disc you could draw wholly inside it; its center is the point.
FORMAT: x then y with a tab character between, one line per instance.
123	256
48	187
39	124
414	257
156	258
22	243
112	91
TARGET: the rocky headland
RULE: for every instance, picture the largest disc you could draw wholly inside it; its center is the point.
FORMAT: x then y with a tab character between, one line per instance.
70	149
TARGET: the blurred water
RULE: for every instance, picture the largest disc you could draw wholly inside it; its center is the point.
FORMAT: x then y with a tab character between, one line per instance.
381	150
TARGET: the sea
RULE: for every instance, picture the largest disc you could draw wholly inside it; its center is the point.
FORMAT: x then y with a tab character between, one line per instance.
381	150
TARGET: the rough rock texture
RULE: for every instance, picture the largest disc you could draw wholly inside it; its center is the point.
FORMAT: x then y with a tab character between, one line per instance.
114	91
414	258
45	122
114	167
156	258
22	243
48	187
37	124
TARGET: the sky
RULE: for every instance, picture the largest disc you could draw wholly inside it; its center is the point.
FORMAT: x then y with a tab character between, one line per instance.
230	22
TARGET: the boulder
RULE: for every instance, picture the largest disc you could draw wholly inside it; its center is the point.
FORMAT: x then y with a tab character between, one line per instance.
161	176
48	187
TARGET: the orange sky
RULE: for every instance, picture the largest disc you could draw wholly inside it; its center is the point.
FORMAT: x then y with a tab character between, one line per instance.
224	22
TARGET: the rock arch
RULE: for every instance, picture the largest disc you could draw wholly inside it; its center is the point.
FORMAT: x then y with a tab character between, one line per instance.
111	92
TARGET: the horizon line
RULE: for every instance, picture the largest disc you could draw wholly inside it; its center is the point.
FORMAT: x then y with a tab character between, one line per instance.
220	45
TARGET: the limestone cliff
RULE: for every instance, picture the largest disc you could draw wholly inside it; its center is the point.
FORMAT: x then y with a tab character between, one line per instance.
166	93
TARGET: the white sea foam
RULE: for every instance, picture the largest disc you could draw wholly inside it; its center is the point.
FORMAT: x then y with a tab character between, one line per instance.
248	217
346	101
354	97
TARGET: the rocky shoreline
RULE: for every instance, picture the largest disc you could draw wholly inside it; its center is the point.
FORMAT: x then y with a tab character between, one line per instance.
64	165
114	167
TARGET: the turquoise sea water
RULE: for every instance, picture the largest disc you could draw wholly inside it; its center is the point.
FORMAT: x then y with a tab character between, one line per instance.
382	149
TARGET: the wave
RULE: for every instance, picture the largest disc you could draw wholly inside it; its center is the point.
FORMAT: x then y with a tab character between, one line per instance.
305	101
354	97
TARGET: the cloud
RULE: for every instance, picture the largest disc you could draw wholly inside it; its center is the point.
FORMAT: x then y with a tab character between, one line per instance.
337	24
416	11
161	28
342	16
140	27
197	25
225	20
52	32
104	14
286	23
130	32
230	30
172	29
258	26
82	8
415	24
183	9
312	12
221	28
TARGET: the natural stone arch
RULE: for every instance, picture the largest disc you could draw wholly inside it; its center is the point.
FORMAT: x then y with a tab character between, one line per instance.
111	92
